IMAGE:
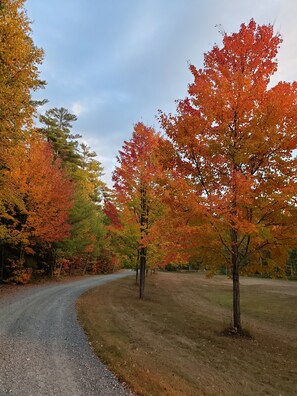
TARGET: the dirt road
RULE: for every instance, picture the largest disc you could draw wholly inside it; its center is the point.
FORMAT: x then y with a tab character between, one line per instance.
43	350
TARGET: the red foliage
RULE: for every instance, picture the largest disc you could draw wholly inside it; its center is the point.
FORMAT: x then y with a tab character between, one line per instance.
112	213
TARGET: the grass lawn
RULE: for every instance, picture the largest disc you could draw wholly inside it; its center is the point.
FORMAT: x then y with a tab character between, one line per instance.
172	344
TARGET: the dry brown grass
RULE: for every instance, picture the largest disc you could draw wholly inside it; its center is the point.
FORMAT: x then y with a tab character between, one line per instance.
171	343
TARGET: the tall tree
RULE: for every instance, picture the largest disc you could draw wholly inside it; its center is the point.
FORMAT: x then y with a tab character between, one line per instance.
234	139
19	75
134	181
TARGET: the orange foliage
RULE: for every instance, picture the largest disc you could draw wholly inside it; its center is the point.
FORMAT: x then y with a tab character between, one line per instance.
231	148
19	72
138	165
136	175
44	194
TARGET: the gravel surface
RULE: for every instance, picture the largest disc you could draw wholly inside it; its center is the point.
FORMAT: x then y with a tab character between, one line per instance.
44	351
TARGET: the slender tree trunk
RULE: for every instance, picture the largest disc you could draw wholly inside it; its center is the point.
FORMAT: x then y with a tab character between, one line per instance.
60	269
235	277
236	299
88	260
85	268
143	232
137	267
2	262
142	271
53	262
291	269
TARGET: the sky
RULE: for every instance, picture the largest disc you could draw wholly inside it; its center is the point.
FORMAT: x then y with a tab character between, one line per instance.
113	63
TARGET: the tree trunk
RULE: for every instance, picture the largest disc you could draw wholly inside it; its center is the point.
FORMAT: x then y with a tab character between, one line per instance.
2	262
137	267
53	262
142	271
236	300
143	232
60	269
235	277
85	268
87	262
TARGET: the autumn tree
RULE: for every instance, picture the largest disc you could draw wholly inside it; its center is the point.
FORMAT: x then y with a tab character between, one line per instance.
19	75
19	60
233	140
134	181
38	214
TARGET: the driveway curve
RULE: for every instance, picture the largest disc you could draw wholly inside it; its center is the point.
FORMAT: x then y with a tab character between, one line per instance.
43	349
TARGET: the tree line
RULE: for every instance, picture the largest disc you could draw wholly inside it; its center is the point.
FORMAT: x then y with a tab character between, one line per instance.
51	205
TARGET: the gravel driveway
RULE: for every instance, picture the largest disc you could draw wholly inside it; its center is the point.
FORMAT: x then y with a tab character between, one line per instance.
44	351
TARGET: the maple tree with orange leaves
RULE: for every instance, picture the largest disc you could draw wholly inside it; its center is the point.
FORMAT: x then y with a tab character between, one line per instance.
232	141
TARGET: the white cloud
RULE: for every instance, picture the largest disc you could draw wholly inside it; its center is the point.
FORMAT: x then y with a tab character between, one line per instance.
77	108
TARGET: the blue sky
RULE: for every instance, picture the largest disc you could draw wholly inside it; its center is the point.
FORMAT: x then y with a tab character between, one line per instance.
116	62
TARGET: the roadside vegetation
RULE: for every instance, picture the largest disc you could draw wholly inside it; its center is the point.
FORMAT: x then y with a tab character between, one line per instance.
172	342
52	220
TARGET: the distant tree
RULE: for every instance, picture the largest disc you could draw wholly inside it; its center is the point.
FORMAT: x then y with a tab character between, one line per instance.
87	231
93	171
124	233
292	263
233	142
